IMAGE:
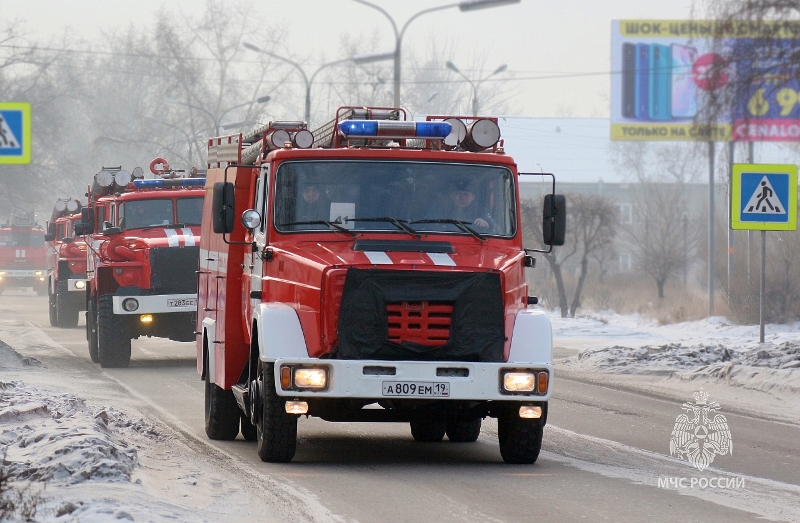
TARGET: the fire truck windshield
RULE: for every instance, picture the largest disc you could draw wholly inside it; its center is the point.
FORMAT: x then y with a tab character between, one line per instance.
396	196
21	239
159	212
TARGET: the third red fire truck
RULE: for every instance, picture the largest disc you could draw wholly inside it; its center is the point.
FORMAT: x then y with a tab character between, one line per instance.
143	240
23	254
66	264
377	273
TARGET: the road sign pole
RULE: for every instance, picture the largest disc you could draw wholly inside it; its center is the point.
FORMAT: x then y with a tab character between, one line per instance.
750	160
731	151
710	228
761	287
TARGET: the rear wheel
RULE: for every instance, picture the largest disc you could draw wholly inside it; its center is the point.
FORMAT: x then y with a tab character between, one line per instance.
249	431
67	314
520	439
275	429
51	307
40	288
428	430
91	330
221	410
464	430
113	341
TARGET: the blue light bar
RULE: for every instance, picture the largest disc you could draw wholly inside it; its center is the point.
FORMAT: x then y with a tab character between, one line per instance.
177	182
394	129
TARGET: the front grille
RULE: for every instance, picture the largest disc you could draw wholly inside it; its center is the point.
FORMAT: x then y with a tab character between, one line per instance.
173	270
425	323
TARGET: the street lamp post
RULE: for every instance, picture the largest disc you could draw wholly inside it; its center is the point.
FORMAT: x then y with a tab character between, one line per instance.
358	59
452	67
260	100
189	139
464	5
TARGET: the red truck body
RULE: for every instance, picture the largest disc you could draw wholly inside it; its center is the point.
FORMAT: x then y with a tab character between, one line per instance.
143	245
389	297
66	265
23	254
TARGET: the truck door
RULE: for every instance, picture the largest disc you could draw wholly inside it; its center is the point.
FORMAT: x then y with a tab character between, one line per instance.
253	269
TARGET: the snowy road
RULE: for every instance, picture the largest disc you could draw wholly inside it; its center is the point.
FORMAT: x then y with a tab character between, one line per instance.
605	457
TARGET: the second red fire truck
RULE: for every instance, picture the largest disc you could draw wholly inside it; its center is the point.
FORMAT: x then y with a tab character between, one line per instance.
66	264
373	270
143	246
23	254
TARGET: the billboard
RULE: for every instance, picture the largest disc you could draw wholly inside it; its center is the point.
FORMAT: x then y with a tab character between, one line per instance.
666	71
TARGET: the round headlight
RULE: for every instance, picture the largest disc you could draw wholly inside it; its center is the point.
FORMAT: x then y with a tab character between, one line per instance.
80	284
130	304
251	219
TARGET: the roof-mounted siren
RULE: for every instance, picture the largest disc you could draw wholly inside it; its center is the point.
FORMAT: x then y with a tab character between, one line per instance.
103	182
481	135
121	180
457	134
392	129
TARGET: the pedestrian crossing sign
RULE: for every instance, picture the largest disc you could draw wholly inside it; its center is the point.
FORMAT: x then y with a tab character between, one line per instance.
764	197
15	133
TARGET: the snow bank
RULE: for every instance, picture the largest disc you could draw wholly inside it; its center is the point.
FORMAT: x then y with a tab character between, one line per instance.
56	437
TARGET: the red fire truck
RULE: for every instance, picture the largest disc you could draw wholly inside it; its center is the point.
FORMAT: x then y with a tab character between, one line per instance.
23	254
143	245
66	264
377	273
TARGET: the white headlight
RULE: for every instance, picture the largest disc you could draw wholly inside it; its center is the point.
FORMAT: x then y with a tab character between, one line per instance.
129	304
311	378
80	284
122	178
519	381
104	178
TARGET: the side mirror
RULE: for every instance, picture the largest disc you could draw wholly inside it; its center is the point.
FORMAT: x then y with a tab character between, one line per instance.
251	219
554	219
222	207
67	239
108	231
88	220
78	229
50	236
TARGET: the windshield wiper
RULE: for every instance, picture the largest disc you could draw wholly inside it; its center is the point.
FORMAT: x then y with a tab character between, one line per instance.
400	224
333	225
458	223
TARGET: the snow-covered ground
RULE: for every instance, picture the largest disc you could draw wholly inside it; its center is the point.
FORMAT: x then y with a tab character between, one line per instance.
761	379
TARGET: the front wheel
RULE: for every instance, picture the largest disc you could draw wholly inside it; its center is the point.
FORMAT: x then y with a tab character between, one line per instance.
65	305
113	342
276	431
520	439
91	330
428	430
51	306
464	431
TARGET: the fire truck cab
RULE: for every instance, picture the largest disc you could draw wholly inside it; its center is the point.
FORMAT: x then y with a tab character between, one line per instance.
372	270
23	254
143	245
66	264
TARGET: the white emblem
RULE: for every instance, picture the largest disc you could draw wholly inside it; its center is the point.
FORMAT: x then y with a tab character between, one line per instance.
696	437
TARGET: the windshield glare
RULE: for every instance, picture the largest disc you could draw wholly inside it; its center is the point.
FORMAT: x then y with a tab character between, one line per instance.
428	197
190	211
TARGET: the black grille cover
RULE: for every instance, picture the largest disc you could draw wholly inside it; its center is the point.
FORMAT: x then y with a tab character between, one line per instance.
477	330
173	269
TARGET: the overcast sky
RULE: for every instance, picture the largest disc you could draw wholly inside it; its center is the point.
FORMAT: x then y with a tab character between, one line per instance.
535	37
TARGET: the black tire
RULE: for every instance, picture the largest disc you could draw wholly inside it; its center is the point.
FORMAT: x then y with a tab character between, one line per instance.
91	331
249	431
221	411
41	288
428	430
51	308
113	341
520	439
67	315
464	430
275	429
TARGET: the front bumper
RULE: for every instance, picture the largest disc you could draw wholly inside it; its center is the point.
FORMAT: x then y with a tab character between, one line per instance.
358	379
157	303
40	274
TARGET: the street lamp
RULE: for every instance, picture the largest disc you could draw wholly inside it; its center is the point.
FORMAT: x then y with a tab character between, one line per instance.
450	65
260	100
189	139
358	59
464	5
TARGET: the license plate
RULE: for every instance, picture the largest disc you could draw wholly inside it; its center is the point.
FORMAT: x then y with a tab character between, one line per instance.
423	389
192	302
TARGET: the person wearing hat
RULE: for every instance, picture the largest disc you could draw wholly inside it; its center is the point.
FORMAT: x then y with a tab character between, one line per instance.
312	204
463	207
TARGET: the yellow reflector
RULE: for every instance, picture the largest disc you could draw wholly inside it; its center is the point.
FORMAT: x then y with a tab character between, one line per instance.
542	383
529	412
146	318
518	381
311	378
296	407
286	378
